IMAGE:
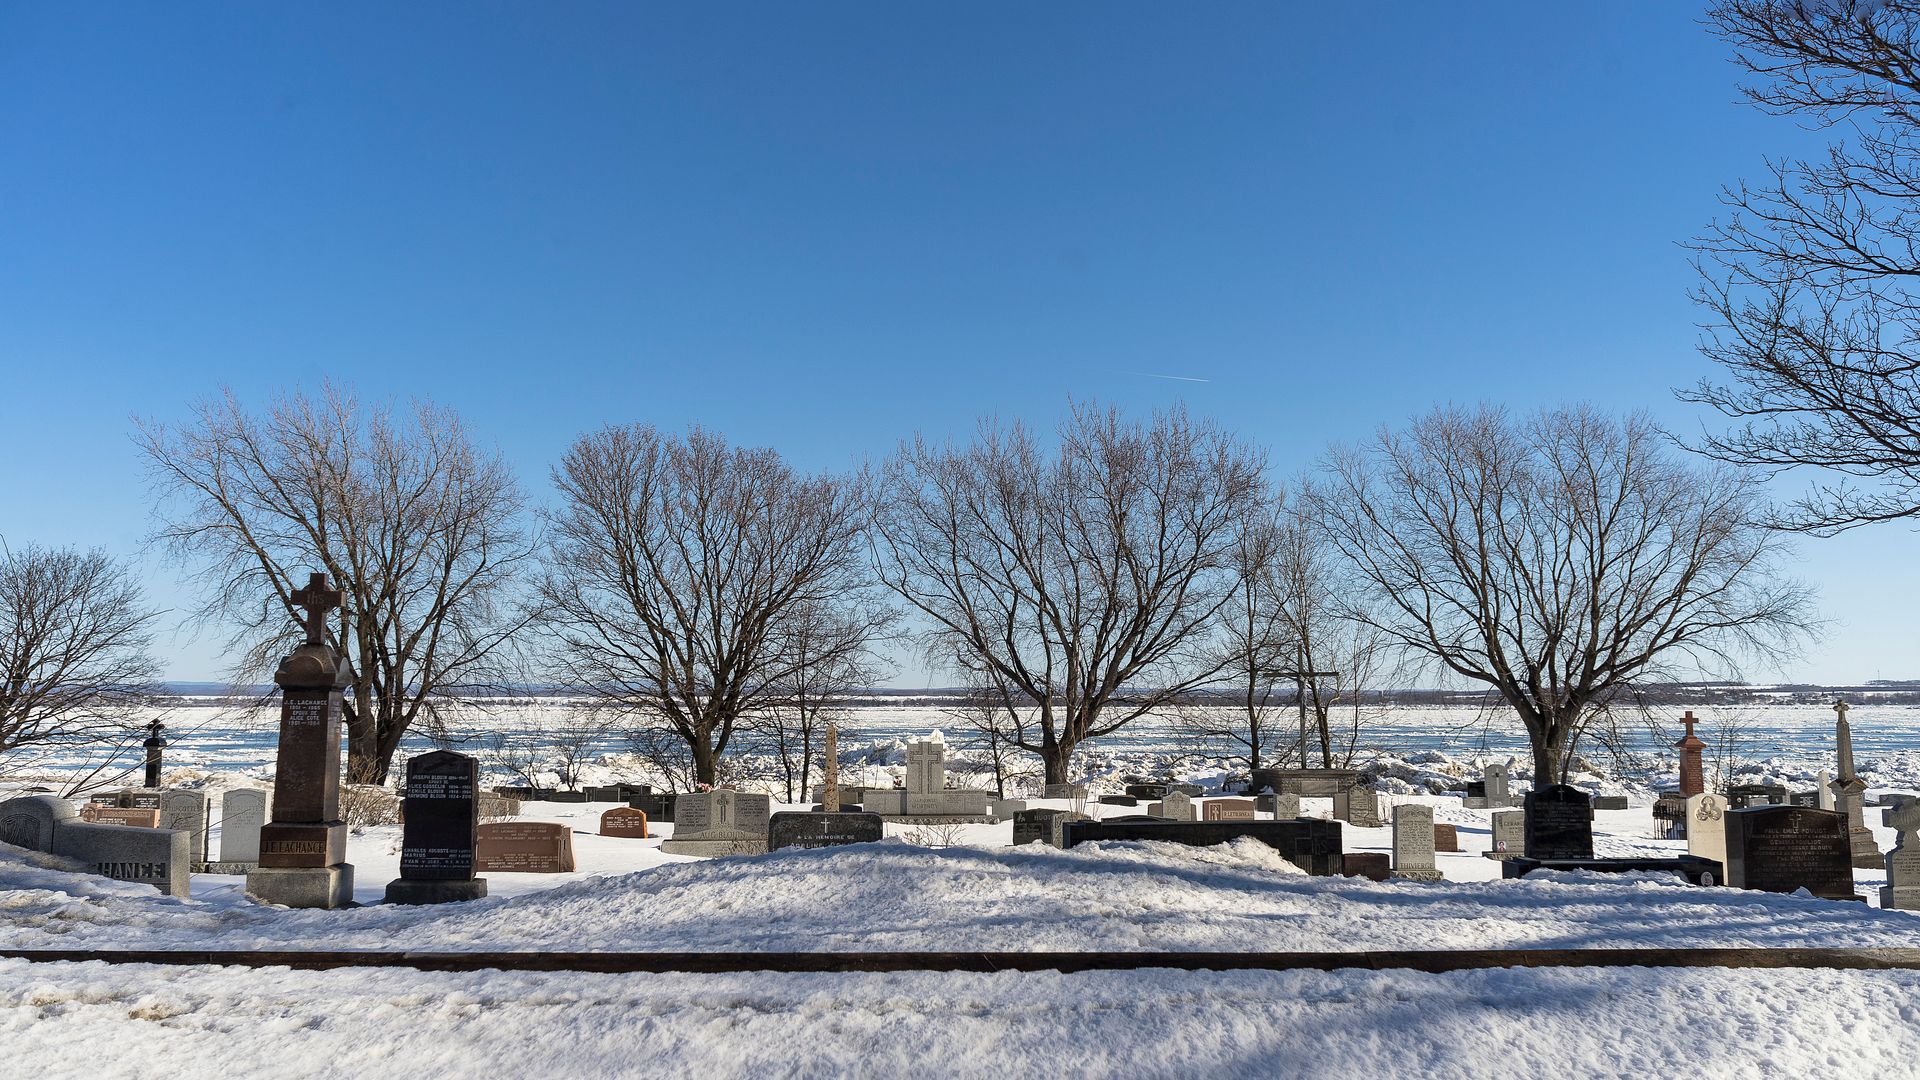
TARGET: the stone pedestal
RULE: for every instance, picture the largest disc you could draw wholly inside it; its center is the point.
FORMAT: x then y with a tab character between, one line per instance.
303	886
1849	797
412	891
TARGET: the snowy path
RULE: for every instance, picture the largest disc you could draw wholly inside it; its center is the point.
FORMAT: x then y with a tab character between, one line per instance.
100	1023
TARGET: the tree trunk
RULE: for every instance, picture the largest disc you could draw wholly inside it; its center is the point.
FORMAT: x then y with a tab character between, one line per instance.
1057	757
1549	740
704	764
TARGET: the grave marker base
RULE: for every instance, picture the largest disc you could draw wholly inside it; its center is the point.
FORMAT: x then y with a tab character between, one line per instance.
303	886
1696	870
418	891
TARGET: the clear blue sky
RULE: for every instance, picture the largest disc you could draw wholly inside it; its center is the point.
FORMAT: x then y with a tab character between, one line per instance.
820	226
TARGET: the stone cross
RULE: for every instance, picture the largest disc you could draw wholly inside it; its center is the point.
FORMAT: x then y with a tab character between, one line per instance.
318	600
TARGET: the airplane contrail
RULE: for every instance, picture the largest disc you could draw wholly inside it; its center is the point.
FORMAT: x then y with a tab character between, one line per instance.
1174	378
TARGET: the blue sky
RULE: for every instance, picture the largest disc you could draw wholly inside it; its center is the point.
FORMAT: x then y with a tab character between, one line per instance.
821	226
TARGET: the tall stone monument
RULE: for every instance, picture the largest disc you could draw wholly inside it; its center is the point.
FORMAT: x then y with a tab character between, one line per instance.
1693	774
442	829
1902	890
830	770
1849	795
154	744
303	850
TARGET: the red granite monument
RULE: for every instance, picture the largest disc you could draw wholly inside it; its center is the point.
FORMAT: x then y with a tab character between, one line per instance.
303	848
1693	775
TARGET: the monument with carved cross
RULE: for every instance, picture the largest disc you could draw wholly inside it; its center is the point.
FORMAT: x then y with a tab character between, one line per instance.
1849	795
154	744
303	849
1693	776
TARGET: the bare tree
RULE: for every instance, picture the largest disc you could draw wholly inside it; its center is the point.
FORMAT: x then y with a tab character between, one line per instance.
1089	578
420	529
75	660
1558	560
997	714
686	574
1809	282
1242	717
829	656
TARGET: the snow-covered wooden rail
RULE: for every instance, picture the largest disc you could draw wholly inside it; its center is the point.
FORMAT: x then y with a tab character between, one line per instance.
1433	961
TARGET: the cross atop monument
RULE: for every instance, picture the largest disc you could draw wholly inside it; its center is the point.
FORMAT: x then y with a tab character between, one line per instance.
1689	720
1841	707
318	600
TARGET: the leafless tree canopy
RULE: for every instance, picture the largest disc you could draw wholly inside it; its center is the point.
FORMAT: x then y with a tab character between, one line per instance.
1088	579
696	584
1809	282
421	529
75	649
1557	559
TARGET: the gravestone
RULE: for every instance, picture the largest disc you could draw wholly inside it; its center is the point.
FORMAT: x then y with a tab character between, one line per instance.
1191	791
1177	805
1509	834
1823	790
1706	816
657	807
1559	823
1118	800
1064	791
825	829
1003	809
1227	810
624	821
29	822
1446	838
925	798
187	811
1358	806
1147	791
1610	802
303	849
97	814
1809	799
719	822
1034	826
243	812
1693	775
1371	865
1312	845
1741	796
141	798
1785	848
156	857
523	847
1413	843
439	844
1902	890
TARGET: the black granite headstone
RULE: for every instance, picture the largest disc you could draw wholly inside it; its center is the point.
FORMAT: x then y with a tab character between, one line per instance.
442	818
1310	844
1784	848
657	807
1119	800
1147	791
1741	796
1034	826
808	829
1559	823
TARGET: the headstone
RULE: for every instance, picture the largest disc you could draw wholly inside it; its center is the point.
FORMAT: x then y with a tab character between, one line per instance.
303	849
1692	771
1312	845
1118	800
187	811
1785	848
1191	791
1147	791
1358	806
1064	791
1707	826
1610	802
1227	810
97	814
1003	809
156	857
29	822
1741	796
785	830
141	798
243	812
1849	797
719	822
1034	826
1823	790
1509	834
657	807
439	845
1497	781
1177	805
1809	799
1372	865
1902	890
1413	843
624	821
604	794
524	847
153	745
1446	838
1559	823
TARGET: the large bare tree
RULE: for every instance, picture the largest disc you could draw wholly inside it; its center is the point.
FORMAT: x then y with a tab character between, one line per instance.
1559	559
75	633
693	584
1809	282
1087	577
420	528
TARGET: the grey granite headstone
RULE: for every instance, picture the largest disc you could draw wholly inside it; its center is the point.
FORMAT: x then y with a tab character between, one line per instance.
1413	843
242	812
1509	834
1002	809
824	829
157	857
186	810
1902	891
1064	791
1177	805
30	822
1034	826
719	822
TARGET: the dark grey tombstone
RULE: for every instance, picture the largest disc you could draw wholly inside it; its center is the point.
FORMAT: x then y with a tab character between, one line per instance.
1741	796
1610	802
1559	823
567	797
1310	844
1810	799
815	829
657	807
604	794
1147	791
1476	789
1119	800
1786	848
442	829
1034	826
